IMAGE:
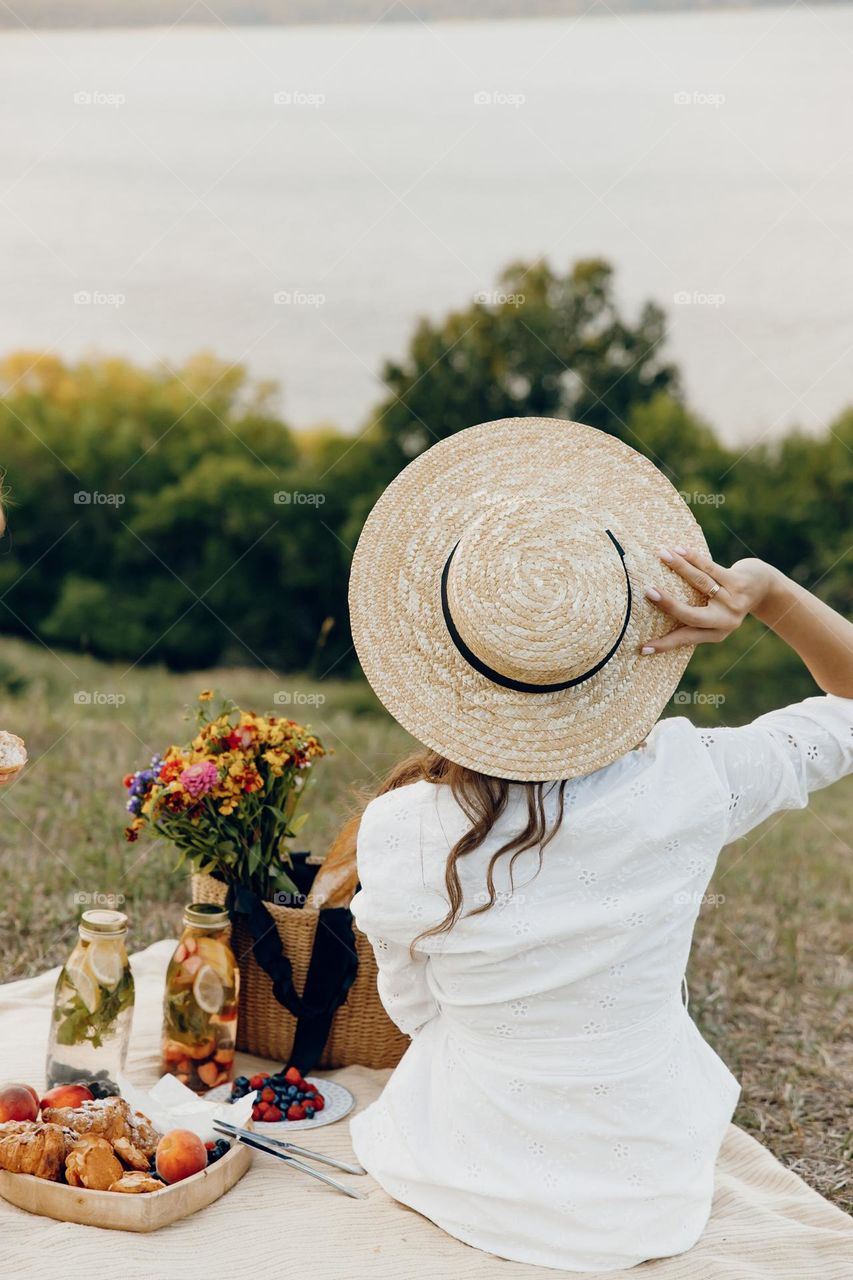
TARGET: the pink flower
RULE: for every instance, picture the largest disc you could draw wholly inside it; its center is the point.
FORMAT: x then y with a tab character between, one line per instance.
200	778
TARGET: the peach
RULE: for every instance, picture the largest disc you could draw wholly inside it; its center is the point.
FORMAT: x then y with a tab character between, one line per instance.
18	1102
180	1154
208	1073
67	1095
173	1051
203	1050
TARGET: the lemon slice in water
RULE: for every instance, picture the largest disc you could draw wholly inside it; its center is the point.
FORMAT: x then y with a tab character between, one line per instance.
105	964
214	954
84	985
208	990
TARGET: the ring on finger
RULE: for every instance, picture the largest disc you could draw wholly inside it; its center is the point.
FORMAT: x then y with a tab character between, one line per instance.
713	591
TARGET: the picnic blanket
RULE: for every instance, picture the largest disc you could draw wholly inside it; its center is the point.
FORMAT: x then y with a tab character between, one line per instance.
766	1222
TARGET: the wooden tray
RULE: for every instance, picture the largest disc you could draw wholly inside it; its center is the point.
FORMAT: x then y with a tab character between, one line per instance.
121	1212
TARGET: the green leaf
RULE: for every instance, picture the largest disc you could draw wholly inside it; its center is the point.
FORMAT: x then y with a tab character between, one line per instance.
277	813
298	823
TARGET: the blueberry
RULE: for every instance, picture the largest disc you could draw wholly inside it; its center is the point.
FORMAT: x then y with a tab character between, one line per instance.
309	1111
242	1082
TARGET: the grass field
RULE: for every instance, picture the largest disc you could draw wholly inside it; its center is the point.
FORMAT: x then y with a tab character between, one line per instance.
769	979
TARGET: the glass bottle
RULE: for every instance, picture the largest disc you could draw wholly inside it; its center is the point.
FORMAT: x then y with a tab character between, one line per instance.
92	1007
200	1003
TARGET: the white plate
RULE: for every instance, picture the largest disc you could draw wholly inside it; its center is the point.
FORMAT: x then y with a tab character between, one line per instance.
339	1102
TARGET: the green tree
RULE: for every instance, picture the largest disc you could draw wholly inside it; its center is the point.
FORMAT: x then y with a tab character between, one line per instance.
550	345
146	524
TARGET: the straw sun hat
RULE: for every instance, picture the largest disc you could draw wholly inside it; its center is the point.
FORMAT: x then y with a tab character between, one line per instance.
497	597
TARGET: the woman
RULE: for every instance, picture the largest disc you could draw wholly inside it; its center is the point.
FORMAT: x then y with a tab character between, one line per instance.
525	597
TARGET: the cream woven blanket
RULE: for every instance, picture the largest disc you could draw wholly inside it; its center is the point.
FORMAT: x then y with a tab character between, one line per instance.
279	1225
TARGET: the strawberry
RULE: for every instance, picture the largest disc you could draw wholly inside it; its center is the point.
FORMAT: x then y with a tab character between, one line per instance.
267	1094
292	1076
256	1112
210	1145
273	1115
318	1102
295	1112
258	1081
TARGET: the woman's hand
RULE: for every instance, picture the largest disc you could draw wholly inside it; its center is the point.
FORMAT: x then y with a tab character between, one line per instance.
732	594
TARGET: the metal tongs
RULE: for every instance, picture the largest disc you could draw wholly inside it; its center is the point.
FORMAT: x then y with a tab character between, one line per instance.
289	1153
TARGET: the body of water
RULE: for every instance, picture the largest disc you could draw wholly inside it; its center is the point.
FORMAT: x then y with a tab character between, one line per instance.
159	190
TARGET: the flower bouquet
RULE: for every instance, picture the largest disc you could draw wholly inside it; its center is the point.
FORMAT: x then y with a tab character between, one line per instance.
228	799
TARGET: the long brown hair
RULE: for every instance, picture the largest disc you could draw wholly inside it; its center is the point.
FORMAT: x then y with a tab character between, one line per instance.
482	799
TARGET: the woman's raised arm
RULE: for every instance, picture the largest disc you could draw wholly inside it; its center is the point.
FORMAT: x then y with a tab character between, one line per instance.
815	631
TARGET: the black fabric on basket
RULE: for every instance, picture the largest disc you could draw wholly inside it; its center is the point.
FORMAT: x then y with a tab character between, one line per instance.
331	972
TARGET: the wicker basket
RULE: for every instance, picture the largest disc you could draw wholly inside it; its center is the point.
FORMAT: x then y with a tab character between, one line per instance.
362	1033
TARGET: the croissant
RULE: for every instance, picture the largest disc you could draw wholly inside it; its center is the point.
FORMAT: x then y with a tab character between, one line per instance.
109	1118
137	1183
32	1147
103	1118
93	1164
131	1155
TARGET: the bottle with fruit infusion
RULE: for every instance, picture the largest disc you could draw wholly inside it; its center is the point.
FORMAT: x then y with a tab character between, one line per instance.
200	1004
92	1007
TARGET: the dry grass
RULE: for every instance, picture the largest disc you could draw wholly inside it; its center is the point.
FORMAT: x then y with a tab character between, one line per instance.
769	977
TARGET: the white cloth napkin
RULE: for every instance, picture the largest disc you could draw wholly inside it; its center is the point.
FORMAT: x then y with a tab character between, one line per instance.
171	1105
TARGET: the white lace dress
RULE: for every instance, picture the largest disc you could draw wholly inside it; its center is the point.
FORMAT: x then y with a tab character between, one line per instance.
557	1104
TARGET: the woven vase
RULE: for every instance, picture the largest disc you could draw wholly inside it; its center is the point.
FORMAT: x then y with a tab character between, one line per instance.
362	1034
